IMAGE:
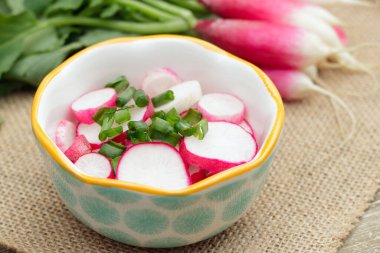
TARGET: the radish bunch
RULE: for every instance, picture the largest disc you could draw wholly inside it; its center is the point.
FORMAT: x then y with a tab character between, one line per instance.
289	39
167	135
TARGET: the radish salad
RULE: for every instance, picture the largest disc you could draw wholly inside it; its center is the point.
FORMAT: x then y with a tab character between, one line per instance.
166	135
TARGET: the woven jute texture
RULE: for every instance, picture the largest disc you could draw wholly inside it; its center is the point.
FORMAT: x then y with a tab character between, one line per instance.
314	195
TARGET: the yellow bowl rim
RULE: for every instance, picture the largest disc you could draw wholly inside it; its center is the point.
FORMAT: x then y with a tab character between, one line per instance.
53	150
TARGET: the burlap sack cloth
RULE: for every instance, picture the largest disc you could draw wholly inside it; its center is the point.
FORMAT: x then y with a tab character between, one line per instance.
314	196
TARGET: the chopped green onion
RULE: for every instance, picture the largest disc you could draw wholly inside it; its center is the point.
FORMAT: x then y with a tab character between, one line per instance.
112	149
103	113
161	125
138	136
201	129
141	100
112	132
163	98
122	116
159	114
192	116
125	96
172	117
137	126
114	163
171	138
106	125
184	128
119	84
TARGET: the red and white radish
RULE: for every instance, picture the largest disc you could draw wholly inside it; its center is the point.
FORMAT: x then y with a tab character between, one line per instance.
221	107
186	94
246	126
139	113
65	134
294	85
91	132
95	165
87	105
160	80
154	164
196	174
226	145
79	148
266	44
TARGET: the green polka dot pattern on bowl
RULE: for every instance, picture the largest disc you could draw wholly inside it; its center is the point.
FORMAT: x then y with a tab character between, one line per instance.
99	210
225	192
175	203
64	191
194	220
146	221
166	242
118	195
118	235
238	205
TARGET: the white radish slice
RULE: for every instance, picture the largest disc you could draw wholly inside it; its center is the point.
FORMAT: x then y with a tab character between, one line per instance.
246	126
95	165
186	94
154	164
79	148
91	132
139	113
87	105
65	134
225	145
160	80
221	107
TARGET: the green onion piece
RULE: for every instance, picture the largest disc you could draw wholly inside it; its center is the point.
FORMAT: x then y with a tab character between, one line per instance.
114	163
172	117
192	116
201	129
112	132
106	125
137	126
103	113
159	114
119	84
161	125
171	138
111	150
184	128
138	136
163	98
141	100
125	96
122	116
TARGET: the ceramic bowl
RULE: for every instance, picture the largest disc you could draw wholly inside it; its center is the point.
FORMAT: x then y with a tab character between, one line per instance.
140	215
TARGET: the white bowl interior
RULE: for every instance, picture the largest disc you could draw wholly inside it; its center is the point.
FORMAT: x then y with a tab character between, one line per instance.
216	73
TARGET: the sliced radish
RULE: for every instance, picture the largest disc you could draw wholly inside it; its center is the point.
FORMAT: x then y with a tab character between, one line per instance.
160	80
185	95
91	132
221	107
87	105
225	145
246	126
155	164
196	174
65	134
95	165
120	138
79	148
139	113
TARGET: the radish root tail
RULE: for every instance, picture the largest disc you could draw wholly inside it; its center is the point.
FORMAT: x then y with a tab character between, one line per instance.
345	107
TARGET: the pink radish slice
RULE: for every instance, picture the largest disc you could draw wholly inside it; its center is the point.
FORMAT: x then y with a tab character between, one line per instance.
154	164
225	145
186	94
79	148
91	132
87	105
159	81
221	107
120	138
95	165
65	134
196	174
246	126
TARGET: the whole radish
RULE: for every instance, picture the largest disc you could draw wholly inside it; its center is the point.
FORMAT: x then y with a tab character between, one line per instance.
266	44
